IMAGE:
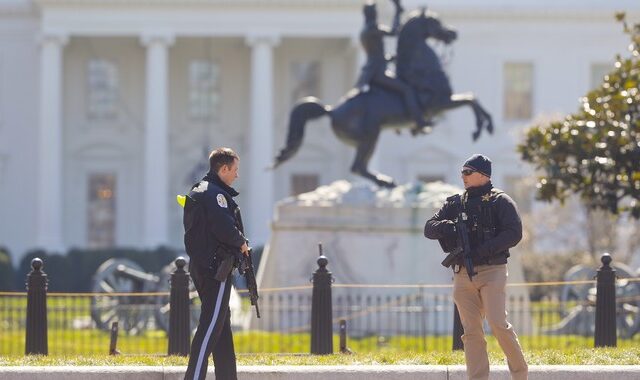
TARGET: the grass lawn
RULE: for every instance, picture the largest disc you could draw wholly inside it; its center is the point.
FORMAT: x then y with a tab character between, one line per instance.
582	356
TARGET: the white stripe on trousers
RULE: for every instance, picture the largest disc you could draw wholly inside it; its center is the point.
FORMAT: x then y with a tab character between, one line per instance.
205	341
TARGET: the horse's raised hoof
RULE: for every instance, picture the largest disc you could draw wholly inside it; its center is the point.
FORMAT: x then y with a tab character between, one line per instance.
475	135
421	131
490	125
385	181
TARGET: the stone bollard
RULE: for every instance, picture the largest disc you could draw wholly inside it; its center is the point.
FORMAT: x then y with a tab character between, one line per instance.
179	313
606	329
321	309
36	340
457	329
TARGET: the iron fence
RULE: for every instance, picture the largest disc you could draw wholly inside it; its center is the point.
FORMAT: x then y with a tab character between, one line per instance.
414	318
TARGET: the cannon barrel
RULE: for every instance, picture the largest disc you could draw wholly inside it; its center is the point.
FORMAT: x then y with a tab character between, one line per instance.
136	275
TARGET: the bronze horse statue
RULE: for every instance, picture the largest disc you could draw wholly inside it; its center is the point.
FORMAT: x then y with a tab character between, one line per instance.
360	117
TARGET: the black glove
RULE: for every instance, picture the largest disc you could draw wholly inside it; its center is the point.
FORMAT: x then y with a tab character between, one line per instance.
448	229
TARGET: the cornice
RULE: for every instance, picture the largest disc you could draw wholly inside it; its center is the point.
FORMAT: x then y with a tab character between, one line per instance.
234	3
256	38
454	11
16	8
528	14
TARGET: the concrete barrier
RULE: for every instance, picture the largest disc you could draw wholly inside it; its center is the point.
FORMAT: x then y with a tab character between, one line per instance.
354	372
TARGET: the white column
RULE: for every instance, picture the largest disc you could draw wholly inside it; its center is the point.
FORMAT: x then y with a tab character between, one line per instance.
261	198
49	198
155	223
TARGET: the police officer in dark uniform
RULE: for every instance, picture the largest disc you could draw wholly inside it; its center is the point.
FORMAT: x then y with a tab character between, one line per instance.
494	227
212	277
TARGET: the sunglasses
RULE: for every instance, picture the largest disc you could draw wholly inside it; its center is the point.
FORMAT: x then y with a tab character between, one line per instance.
467	172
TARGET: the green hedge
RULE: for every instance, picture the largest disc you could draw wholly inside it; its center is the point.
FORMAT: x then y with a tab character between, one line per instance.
74	272
6	270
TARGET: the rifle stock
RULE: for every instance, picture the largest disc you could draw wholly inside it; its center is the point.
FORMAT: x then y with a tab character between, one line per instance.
450	259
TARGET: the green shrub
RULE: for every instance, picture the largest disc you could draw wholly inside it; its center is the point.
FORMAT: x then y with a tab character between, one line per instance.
74	271
6	270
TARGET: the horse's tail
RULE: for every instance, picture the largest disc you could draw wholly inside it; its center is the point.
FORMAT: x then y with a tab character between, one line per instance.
306	109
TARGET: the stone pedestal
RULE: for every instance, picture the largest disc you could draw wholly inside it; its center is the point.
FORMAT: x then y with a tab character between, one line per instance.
374	241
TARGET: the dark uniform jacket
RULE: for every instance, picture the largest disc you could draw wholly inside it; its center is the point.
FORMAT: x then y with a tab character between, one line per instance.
493	223
223	216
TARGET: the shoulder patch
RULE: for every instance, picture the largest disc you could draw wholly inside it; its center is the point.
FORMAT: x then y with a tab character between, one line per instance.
200	187
222	201
452	198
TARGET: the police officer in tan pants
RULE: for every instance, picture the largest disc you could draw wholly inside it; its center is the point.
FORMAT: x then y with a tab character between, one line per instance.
493	226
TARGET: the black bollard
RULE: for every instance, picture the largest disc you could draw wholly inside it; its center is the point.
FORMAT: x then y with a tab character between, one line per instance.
321	310
36	340
458	330
605	334
179	313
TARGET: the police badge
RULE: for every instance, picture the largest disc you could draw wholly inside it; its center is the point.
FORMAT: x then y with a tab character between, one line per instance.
222	201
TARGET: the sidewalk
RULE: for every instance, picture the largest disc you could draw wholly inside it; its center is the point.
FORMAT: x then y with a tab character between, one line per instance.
354	372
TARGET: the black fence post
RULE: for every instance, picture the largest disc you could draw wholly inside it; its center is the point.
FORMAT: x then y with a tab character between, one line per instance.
457	330
606	329
179	313
343	337
36	340
321	309
113	344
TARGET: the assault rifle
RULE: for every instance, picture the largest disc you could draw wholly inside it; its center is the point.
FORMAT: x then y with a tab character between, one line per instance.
245	268
462	247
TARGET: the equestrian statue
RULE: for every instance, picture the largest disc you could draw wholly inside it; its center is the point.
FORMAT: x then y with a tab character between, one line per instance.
417	92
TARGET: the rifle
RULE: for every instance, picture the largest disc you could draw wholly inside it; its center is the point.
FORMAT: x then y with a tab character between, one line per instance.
245	268
462	247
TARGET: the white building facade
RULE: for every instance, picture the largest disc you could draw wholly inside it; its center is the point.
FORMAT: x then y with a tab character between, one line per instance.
108	107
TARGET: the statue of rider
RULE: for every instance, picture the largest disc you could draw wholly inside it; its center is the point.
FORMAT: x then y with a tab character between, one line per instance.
374	70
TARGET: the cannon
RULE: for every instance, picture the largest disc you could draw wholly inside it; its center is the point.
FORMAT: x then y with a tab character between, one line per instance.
124	292
577	302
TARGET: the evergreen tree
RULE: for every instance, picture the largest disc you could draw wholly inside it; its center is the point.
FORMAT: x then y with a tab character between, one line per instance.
595	152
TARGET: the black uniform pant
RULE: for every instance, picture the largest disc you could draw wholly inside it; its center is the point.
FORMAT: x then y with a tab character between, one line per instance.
213	335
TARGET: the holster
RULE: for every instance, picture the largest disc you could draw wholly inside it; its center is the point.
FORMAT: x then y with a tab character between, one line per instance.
224	268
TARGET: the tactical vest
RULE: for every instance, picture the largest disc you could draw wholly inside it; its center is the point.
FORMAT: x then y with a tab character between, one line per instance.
481	222
481	216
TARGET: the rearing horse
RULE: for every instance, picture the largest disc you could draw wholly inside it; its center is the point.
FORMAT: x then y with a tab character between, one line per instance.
359	118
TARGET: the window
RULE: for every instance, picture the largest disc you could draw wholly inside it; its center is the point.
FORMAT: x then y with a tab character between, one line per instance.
304	183
204	90
518	91
102	80
101	210
598	71
306	79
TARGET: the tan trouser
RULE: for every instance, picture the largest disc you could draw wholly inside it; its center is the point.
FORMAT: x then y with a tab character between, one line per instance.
485	297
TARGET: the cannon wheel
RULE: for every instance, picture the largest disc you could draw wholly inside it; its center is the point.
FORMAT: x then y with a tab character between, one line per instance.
576	294
133	313
162	302
627	296
628	307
